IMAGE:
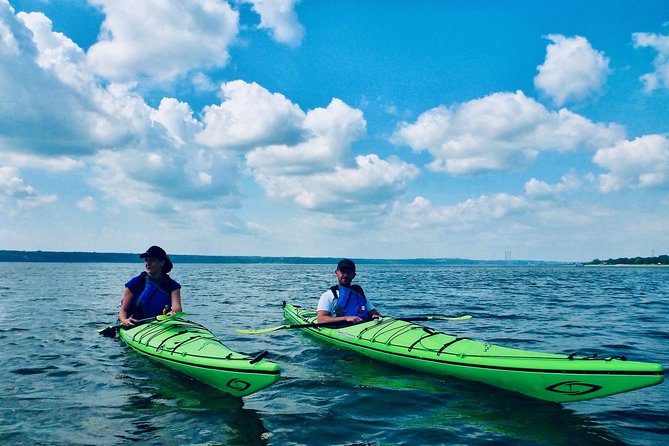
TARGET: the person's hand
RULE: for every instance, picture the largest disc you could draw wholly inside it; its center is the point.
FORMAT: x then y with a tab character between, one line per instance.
354	319
376	316
130	322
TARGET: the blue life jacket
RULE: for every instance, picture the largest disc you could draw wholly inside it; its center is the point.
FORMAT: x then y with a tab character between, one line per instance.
150	299
351	301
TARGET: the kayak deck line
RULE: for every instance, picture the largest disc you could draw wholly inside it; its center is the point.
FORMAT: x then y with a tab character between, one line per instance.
571	356
210	367
210	338
558	378
448	344
510	369
213	339
162	328
403	330
191	339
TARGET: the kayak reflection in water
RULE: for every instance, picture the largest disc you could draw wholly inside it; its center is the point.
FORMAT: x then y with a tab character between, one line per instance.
345	302
151	293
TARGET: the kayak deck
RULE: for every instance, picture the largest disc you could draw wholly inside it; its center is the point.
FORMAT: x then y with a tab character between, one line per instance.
193	350
546	376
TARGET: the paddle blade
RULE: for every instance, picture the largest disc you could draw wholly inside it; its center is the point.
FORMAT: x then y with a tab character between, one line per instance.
109	332
262	330
436	318
450	318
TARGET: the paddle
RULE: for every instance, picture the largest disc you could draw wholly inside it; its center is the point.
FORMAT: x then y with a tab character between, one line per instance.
436	318
339	324
281	327
110	331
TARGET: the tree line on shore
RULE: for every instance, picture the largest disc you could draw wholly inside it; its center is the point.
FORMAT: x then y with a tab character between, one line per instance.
659	260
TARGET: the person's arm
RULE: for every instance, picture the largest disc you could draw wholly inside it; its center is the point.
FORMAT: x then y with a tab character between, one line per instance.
325	316
176	301
124	313
326	309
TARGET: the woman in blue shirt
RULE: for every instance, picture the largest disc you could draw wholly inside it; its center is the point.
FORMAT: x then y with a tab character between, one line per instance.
151	293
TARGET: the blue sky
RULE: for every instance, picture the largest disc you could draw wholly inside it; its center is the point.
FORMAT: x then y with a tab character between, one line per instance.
364	129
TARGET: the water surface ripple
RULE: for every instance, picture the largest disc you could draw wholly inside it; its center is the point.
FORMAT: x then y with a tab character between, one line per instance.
63	384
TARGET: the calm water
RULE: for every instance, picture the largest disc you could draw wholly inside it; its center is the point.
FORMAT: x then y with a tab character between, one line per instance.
62	383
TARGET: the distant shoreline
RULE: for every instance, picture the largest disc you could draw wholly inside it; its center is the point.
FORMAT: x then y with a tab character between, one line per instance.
620	265
661	260
98	257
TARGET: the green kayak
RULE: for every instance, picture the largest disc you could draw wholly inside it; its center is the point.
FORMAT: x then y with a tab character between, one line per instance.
551	377
193	350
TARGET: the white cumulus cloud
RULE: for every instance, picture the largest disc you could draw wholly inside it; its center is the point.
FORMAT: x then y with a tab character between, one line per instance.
37	66
538	188
328	135
572	69
14	190
421	213
279	17
11	185
503	131
660	77
49	164
318	171
250	116
159	40
163	177
368	188
643	162
165	159
134	152
57	53
177	118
